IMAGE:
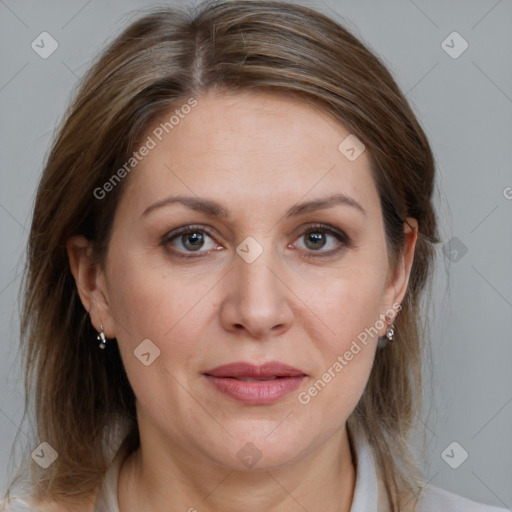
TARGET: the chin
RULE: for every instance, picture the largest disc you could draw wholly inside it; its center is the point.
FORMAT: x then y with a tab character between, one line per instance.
264	450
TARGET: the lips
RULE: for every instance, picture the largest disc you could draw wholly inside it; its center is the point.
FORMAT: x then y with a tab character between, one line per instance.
255	384
251	371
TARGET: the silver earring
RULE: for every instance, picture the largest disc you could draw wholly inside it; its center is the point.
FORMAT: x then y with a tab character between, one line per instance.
390	334
383	341
101	337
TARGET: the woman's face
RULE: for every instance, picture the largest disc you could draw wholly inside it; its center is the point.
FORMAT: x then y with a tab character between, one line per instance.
272	260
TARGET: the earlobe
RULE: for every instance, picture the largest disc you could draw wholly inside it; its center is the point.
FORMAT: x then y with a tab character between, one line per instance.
90	282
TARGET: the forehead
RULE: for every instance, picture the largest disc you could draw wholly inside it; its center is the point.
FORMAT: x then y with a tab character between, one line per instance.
249	149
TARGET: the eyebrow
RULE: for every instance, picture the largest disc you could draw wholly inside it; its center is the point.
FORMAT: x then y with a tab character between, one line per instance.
214	209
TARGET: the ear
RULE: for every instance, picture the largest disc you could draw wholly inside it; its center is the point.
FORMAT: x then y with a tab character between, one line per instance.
396	286
91	283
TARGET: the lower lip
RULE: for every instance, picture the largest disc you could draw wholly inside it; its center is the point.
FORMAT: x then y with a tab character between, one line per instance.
261	392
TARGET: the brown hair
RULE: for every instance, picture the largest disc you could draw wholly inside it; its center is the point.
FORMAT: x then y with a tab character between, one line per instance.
156	64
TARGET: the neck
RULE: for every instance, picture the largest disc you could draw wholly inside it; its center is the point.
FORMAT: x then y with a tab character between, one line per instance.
154	479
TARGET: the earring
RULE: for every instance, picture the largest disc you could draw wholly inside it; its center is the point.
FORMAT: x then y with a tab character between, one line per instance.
390	334
101	337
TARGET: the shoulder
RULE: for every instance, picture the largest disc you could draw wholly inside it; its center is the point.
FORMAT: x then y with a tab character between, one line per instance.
434	499
26	505
16	505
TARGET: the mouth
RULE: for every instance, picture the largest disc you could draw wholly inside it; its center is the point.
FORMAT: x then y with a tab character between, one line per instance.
255	384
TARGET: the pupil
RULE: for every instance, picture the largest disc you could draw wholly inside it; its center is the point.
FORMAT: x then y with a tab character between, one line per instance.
193	240
318	240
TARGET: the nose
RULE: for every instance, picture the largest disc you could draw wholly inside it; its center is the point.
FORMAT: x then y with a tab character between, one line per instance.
257	302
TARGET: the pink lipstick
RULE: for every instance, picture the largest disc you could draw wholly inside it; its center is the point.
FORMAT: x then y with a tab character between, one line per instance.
256	384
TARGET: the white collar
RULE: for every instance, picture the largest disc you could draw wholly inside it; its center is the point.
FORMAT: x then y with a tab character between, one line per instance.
366	492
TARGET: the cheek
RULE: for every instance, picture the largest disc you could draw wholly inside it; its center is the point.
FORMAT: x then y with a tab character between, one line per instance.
137	300
152	302
345	334
343	360
347	302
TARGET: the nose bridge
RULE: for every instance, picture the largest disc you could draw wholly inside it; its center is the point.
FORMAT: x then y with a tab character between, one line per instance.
253	263
256	299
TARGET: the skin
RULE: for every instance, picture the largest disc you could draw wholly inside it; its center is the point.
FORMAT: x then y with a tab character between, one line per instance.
257	155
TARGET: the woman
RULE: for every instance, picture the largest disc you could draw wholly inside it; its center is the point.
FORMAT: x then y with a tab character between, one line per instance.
229	246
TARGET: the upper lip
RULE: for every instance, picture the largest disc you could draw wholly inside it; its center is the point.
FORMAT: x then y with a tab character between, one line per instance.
244	369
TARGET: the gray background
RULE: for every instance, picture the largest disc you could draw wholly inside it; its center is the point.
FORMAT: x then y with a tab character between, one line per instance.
465	105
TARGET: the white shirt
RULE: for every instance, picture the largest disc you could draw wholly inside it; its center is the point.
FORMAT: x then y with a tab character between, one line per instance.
369	495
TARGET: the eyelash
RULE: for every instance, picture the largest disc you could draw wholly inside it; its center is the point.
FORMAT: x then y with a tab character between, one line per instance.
315	228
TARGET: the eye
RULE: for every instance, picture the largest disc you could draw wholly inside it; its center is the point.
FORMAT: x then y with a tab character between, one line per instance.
189	239
319	241
323	240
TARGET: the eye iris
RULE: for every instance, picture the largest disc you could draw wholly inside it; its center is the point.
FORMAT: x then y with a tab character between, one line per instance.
317	239
193	240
